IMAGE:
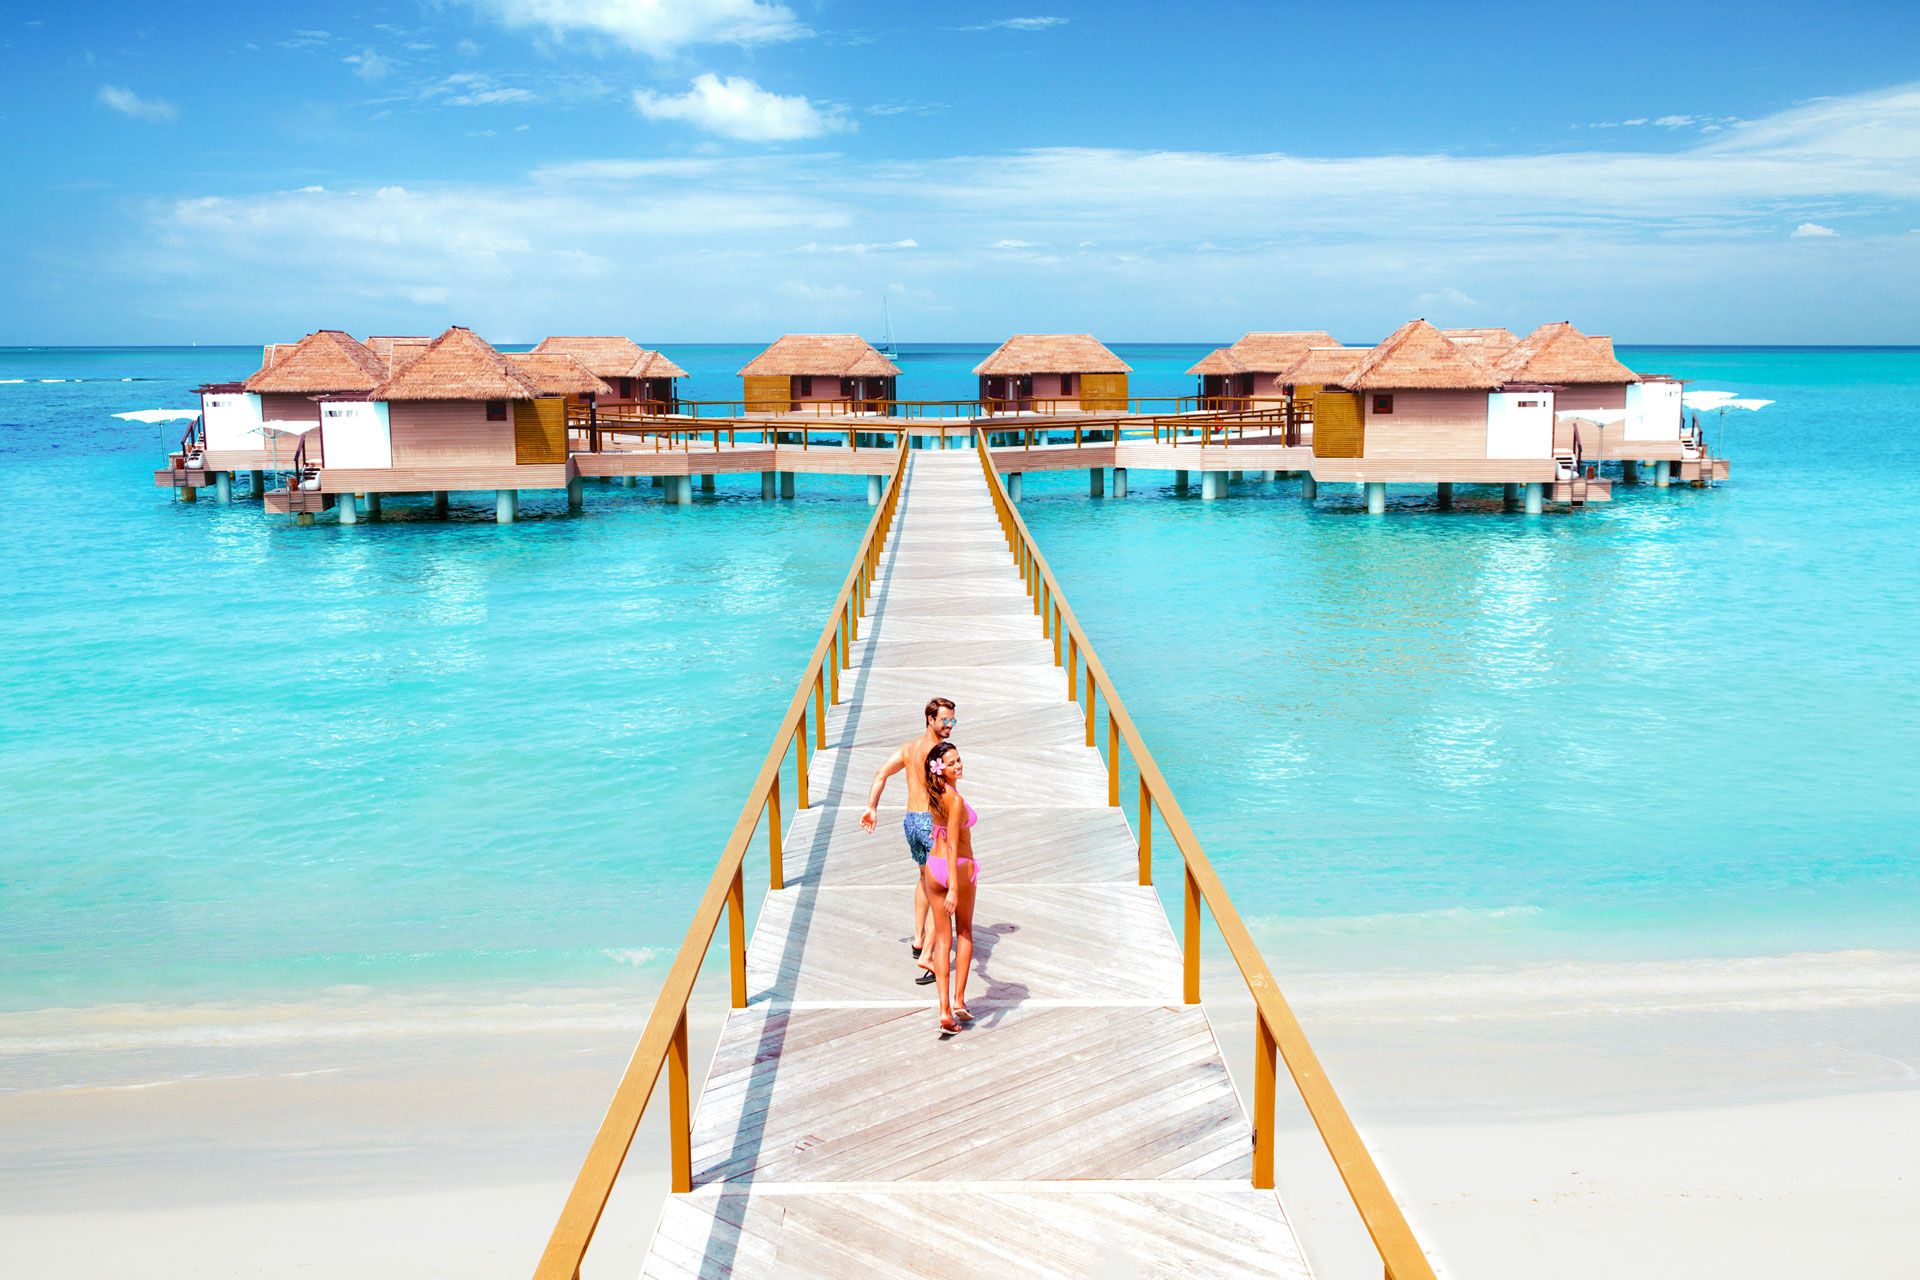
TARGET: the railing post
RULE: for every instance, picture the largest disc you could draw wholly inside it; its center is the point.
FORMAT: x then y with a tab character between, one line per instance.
776	872
1057	621
800	759
1090	697
819	710
1190	940
834	660
1146	833
737	935
1113	760
1073	668
1263	1068
680	1103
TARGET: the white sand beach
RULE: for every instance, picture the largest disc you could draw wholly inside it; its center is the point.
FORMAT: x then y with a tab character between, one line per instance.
1748	1117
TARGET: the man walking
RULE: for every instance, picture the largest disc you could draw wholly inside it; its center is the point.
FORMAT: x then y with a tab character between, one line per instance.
918	823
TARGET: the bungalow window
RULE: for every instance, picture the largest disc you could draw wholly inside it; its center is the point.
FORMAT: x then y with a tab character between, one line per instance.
1383	404
1066	384
496	411
806	385
626	388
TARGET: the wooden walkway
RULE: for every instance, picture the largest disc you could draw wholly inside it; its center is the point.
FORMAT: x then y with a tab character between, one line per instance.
1084	1124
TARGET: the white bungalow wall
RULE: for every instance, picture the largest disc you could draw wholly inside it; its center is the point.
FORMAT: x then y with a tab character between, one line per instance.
1520	424
354	434
1653	411
232	420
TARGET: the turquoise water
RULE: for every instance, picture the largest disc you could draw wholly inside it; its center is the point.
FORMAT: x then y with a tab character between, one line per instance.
1680	724
238	756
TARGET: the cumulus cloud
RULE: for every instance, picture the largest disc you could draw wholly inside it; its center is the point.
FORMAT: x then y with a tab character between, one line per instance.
658	28
736	107
128	103
1812	230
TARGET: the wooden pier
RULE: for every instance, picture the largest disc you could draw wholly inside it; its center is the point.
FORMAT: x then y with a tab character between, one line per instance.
1086	1117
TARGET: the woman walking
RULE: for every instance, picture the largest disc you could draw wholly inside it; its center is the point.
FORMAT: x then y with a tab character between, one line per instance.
951	876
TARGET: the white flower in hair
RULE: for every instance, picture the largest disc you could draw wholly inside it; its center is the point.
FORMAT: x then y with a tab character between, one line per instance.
936	767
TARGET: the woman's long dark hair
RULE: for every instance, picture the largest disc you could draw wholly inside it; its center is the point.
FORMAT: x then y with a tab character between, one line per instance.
936	785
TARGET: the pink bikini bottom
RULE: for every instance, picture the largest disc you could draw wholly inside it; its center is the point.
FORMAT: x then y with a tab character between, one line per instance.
937	868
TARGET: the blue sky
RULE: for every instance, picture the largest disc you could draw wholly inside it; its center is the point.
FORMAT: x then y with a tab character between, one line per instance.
735	169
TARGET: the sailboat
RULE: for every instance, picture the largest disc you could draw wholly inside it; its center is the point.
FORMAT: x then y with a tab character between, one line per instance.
887	346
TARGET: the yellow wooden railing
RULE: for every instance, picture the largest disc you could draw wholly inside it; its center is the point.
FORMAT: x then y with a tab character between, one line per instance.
1278	1030
663	1044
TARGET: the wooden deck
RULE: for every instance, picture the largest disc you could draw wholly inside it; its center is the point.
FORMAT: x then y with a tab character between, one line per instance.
1085	1123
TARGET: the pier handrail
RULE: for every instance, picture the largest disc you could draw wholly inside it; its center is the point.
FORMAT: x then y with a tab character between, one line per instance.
1278	1029
663	1044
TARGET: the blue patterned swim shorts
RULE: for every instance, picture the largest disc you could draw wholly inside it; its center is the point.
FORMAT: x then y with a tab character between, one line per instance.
919	829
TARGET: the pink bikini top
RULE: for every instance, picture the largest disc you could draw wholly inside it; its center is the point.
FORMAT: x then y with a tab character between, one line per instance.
972	818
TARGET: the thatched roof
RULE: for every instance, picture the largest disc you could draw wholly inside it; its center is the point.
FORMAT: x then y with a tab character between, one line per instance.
1560	353
1418	357
613	357
1052	353
396	351
1269	352
843	355
558	374
1324	366
319	363
1491	345
1218	360
457	365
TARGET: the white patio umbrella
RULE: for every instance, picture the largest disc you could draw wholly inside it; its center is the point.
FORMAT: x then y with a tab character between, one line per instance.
275	430
156	417
1718	402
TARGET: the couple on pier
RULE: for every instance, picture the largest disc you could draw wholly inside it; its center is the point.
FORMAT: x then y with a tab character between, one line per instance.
939	834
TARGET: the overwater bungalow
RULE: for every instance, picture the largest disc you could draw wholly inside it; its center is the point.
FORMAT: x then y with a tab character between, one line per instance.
256	425
1422	408
637	380
1604	410
1250	370
1051	372
458	415
822	372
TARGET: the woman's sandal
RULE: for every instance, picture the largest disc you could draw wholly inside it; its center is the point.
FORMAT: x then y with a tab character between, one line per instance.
960	1013
948	1027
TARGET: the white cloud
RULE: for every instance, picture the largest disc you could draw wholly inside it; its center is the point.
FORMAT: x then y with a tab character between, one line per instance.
369	65
129	103
862	247
1018	24
478	89
736	107
306	39
655	27
1653	244
1812	230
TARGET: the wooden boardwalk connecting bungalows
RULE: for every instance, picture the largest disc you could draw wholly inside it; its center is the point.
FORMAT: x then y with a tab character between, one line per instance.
1087	1115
